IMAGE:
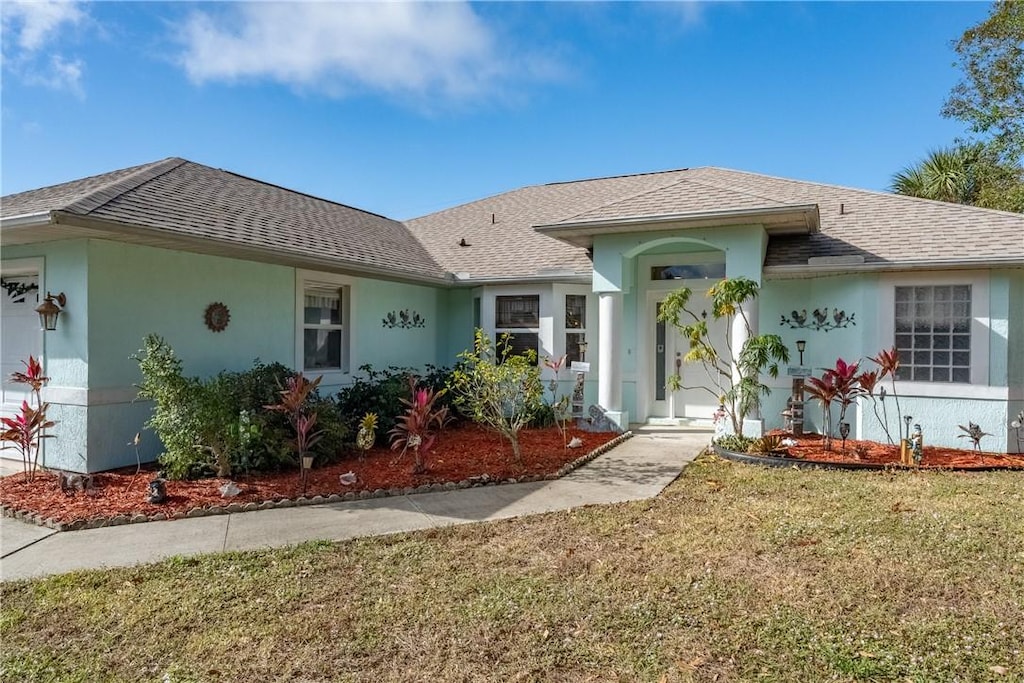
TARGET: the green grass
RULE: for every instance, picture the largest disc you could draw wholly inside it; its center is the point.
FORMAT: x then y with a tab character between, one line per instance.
733	573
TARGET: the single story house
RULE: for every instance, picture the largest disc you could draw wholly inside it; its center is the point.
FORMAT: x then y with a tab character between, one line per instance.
229	269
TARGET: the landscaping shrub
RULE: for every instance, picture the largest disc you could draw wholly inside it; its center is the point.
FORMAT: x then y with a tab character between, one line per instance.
502	395
381	392
220	425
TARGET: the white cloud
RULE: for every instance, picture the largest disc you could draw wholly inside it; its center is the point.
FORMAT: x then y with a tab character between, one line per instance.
29	28
400	48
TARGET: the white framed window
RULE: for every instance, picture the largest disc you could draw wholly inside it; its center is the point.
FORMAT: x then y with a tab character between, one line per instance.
939	324
323	322
518	316
575	327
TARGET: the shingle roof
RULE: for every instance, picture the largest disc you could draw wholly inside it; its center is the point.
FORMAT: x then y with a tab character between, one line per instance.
185	199
507	246
880	227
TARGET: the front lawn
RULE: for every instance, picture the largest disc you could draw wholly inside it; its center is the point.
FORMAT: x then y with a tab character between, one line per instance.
733	573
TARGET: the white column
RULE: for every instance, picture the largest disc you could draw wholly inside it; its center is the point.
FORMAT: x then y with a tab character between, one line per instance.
753	426
609	357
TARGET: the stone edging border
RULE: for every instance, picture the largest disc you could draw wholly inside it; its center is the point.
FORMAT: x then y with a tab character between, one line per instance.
234	508
775	461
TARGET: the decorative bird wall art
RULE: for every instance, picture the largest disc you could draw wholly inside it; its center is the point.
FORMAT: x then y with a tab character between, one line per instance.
404	319
818	319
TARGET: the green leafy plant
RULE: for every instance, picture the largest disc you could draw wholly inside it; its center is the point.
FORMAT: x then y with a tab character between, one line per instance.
218	426
738	392
737	443
419	424
381	392
26	430
500	395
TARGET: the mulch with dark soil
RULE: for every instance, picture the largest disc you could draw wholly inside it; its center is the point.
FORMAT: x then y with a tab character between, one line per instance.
461	453
810	448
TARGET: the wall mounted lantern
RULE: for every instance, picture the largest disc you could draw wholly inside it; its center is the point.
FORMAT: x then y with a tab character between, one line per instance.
800	346
48	310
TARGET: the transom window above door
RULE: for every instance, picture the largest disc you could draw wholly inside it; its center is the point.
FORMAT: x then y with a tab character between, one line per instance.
691	271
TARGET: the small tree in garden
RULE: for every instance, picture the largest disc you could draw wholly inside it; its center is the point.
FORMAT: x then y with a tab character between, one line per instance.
295	397
868	382
27	429
500	395
559	406
824	389
842	384
418	427
760	354
888	363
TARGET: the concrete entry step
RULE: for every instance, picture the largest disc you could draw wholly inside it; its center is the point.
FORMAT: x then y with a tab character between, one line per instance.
667	426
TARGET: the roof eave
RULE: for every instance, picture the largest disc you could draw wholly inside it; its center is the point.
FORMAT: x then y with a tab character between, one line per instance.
801	219
26	220
207	245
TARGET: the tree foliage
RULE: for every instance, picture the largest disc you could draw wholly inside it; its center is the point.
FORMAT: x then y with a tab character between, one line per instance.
738	392
990	96
502	395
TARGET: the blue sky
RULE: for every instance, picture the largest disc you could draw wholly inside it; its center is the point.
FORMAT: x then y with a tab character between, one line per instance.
405	109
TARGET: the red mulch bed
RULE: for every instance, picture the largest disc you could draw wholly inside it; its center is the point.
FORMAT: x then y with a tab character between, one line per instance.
810	447
460	453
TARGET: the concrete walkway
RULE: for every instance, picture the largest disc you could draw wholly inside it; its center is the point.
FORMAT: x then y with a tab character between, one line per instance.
637	469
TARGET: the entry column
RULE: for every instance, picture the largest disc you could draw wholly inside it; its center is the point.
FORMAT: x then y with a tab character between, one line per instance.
609	357
753	425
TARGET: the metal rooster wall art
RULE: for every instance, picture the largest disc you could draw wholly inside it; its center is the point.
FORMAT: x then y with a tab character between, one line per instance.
819	319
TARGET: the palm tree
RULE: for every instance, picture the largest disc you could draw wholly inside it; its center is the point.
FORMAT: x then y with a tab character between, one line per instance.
947	175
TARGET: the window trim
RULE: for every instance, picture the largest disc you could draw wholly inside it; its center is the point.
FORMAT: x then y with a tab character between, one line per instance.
979	329
311	280
498	331
563	331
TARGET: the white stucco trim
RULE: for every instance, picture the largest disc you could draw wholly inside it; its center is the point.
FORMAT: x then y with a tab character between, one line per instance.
980	326
77	396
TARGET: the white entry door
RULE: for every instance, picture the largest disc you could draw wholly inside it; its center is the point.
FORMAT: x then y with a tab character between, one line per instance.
20	336
694	401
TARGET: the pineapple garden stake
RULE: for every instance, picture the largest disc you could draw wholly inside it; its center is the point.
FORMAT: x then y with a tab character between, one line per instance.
367	435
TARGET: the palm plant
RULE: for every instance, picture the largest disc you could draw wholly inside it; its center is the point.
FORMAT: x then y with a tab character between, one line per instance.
946	175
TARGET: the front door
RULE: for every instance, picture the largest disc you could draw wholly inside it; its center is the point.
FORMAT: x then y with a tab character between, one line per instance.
693	401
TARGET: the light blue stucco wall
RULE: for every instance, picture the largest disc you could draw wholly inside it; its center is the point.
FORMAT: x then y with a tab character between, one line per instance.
137	290
65	354
938	408
118	293
380	346
614	262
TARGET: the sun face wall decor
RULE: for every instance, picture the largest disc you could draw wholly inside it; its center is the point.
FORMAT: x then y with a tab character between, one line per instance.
217	316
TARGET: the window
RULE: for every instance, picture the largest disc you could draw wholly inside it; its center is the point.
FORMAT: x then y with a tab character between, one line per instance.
575	326
932	326
693	271
323	330
519	318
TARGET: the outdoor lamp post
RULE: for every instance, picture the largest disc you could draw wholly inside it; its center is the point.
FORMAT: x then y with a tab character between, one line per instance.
583	350
48	310
800	346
